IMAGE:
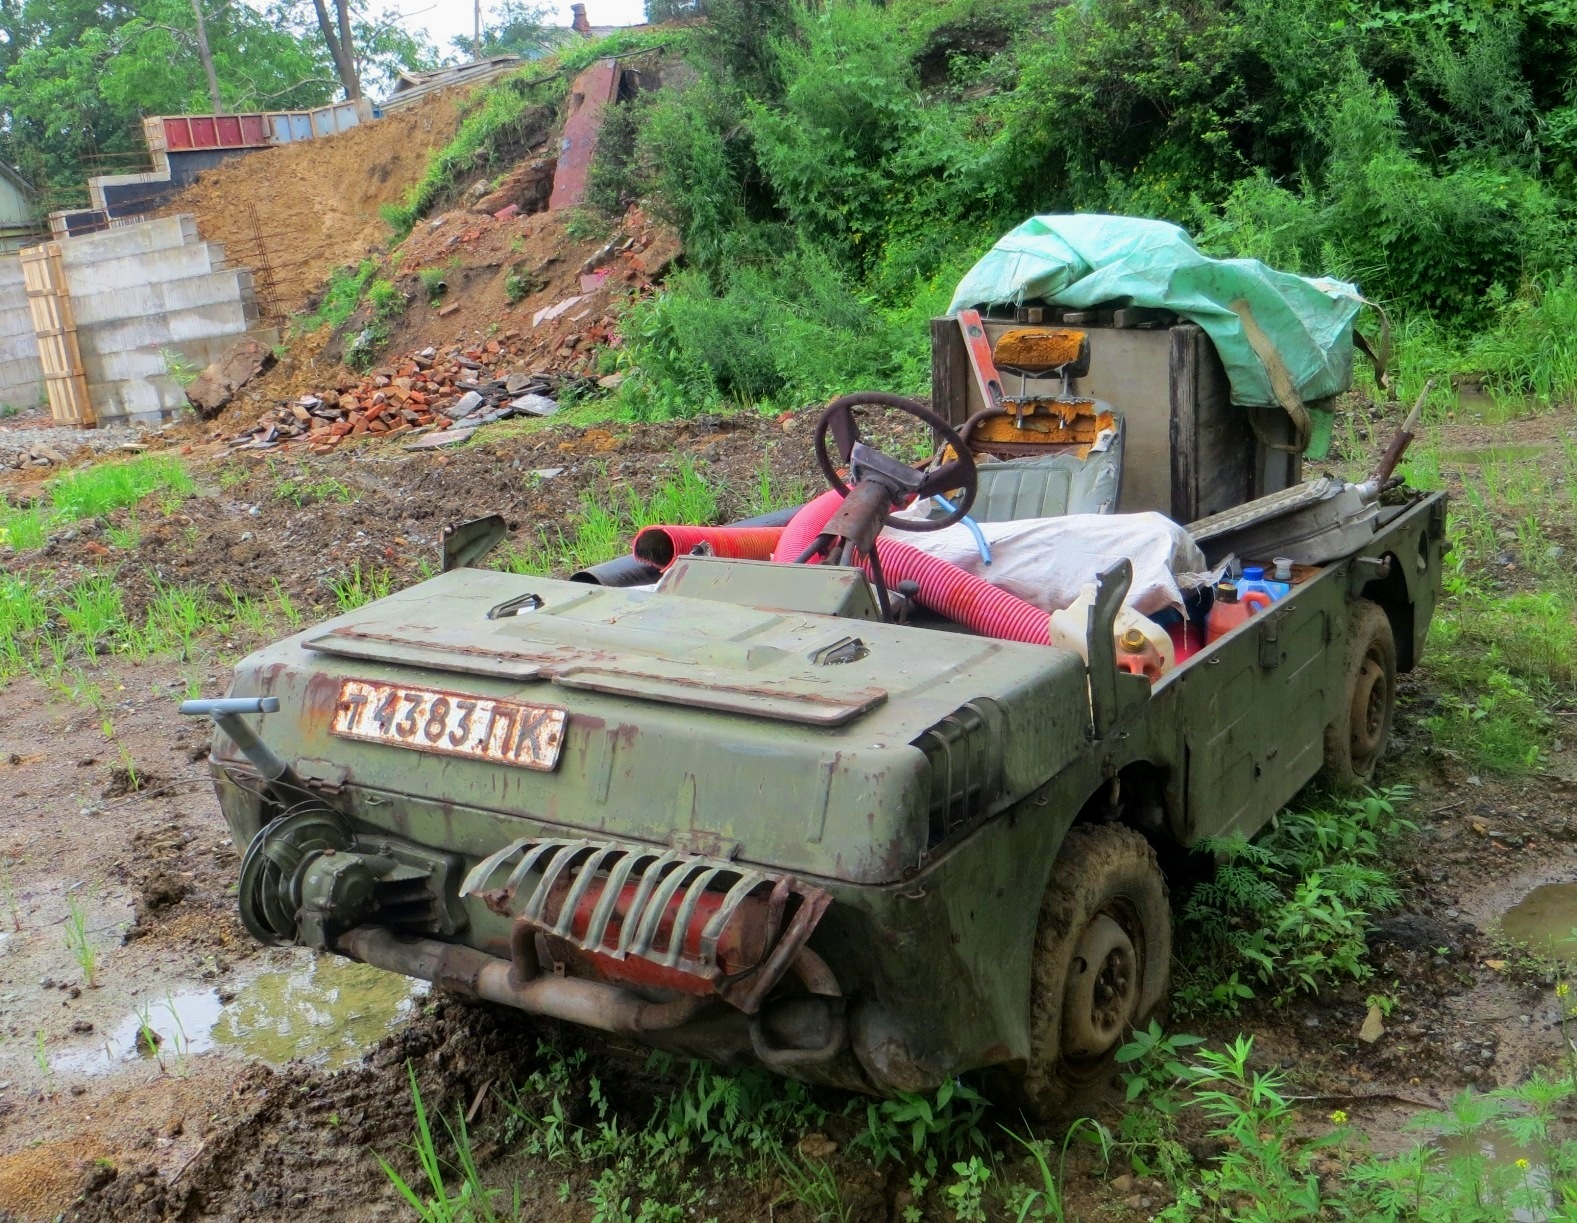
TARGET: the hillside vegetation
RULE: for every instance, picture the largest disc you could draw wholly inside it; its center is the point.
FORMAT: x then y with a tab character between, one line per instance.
835	168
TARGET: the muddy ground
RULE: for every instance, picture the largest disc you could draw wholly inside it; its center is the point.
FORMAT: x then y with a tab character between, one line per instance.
283	1079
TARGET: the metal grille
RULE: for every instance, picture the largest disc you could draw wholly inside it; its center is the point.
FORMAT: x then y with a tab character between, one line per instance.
663	879
966	766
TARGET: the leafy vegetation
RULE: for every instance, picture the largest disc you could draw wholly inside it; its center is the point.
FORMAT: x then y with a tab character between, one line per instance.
76	78
340	298
834	169
500	117
1289	912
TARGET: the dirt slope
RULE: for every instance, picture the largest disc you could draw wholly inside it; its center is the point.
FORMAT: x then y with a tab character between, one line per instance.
317	202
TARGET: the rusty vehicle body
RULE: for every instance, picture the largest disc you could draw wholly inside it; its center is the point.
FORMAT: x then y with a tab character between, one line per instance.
747	817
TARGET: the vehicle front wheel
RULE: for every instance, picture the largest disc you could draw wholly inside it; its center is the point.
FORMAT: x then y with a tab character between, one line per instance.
1362	727
1102	959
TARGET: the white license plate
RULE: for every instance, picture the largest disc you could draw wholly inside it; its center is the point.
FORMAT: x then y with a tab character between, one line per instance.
451	723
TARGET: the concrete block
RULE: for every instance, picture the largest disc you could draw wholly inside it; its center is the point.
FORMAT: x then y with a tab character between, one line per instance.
227	318
10	272
21	381
136	270
14	323
140	399
122	240
157	298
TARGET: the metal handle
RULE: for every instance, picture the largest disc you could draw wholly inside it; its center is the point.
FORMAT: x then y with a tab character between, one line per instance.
226	712
231	704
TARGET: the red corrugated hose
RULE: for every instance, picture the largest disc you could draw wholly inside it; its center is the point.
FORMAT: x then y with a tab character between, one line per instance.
944	587
806	525
661	546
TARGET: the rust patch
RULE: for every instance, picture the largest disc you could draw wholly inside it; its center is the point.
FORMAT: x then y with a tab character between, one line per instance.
1036	348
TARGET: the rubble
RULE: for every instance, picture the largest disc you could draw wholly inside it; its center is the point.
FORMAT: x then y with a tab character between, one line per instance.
216	386
452	393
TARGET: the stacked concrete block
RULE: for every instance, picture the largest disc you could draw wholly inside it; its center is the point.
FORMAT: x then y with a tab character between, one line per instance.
150	301
21	375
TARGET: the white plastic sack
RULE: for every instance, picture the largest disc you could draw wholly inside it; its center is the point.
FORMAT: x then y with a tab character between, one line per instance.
1044	561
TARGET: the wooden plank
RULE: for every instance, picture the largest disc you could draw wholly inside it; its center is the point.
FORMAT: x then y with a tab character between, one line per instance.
950	374
1182	369
54	327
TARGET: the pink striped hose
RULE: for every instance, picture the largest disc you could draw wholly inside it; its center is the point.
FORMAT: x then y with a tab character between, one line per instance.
944	587
661	546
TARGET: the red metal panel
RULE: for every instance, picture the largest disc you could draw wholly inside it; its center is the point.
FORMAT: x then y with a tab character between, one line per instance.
203	134
227	129
254	129
177	132
589	97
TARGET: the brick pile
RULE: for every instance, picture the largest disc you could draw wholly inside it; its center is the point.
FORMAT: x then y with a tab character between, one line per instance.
416	393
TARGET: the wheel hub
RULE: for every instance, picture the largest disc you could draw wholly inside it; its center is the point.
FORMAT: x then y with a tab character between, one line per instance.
1102	992
1367	716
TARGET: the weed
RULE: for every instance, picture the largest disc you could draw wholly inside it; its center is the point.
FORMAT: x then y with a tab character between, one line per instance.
930	1127
40	1054
812	1183
433	282
1290	911
80	943
181	371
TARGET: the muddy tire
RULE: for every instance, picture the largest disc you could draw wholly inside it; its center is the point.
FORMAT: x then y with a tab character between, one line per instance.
1356	739
1102	960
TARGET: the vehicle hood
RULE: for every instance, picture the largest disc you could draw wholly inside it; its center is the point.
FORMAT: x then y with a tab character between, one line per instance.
808	743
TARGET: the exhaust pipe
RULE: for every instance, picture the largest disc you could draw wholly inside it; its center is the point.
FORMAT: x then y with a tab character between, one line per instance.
476	974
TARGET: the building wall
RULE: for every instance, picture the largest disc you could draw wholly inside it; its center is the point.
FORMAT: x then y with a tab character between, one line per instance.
21	375
18	216
148	296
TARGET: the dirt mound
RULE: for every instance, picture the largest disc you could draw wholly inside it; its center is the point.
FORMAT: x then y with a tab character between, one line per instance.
317	202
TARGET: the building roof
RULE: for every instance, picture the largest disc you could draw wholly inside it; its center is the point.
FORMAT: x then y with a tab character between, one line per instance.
410	86
14	177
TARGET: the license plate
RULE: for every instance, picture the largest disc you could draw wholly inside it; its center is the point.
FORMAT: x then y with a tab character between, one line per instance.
451	723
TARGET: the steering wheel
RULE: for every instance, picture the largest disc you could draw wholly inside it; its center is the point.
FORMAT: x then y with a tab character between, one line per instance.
838	421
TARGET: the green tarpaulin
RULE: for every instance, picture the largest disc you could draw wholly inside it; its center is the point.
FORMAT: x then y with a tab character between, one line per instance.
1284	339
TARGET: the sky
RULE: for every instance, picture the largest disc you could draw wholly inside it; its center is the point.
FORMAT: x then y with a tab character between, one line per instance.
443	19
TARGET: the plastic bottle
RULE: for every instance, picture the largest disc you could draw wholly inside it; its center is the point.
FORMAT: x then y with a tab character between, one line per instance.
1232	607
1254	579
1143	646
1283	569
1070	626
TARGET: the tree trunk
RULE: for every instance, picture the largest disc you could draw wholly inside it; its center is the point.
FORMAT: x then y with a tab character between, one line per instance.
348	49
339	52
207	57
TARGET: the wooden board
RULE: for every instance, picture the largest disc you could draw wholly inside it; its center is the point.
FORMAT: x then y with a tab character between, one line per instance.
55	327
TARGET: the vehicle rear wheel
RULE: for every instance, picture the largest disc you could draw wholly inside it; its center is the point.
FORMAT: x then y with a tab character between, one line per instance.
1355	740
1102	959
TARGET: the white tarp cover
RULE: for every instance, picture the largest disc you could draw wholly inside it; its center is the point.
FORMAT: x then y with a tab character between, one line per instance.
1044	561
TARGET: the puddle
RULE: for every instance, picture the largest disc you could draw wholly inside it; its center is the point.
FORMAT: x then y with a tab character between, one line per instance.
1481	456
1517	1175
1492	409
327	1010
1546	920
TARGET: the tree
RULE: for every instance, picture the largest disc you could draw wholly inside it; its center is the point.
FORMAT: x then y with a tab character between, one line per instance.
342	48
514	27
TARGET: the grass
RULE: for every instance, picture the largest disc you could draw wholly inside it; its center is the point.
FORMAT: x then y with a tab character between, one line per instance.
79	942
95	491
340	298
359	586
602	526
